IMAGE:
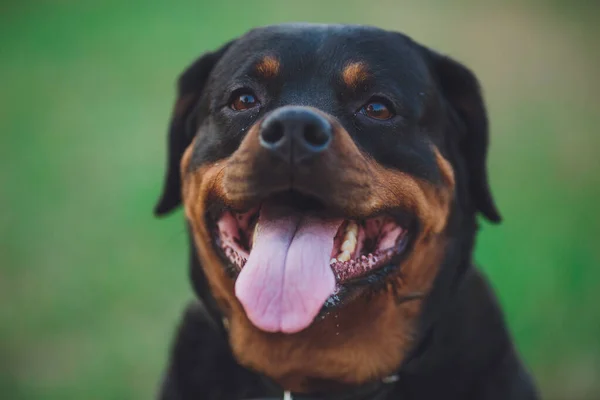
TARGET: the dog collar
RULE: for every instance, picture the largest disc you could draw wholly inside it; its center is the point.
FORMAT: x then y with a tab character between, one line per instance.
372	391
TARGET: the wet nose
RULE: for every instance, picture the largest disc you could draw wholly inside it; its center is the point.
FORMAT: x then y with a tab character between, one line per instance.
295	133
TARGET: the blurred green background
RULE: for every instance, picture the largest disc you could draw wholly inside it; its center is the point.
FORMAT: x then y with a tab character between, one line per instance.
91	285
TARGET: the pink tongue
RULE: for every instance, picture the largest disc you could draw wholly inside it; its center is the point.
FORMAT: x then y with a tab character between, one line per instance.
287	277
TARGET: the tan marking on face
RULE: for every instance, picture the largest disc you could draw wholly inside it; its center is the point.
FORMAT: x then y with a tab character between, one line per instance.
355	73
445	168
268	66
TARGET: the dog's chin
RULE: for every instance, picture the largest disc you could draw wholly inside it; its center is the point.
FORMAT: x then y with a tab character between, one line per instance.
293	242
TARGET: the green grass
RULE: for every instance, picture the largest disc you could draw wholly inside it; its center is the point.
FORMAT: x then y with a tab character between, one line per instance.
91	286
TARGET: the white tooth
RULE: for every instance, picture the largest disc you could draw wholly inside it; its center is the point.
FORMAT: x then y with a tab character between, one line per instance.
332	261
255	233
352	229
349	245
344	256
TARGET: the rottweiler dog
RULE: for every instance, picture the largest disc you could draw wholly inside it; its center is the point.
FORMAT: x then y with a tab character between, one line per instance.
331	177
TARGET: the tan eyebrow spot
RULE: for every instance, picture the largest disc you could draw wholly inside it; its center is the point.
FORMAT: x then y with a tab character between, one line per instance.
268	66
355	73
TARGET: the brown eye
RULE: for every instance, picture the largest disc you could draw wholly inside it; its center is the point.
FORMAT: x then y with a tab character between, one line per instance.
377	110
243	101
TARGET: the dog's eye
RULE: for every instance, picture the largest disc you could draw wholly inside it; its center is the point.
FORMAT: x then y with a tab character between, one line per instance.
243	101
377	110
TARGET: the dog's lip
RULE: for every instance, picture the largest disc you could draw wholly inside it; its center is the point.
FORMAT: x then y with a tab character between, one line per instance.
372	281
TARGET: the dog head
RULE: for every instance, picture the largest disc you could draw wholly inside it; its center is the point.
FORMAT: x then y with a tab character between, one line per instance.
325	172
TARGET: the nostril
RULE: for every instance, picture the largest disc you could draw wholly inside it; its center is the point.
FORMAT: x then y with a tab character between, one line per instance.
316	136
295	133
273	132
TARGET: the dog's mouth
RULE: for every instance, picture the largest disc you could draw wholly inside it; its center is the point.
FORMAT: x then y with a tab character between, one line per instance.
292	243
360	247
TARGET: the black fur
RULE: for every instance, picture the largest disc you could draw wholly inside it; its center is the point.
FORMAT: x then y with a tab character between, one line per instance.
464	350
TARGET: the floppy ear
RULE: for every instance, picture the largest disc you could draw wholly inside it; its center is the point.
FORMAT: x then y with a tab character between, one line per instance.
461	89
182	127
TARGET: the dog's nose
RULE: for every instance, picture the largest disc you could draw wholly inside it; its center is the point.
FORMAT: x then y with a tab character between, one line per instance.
295	133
